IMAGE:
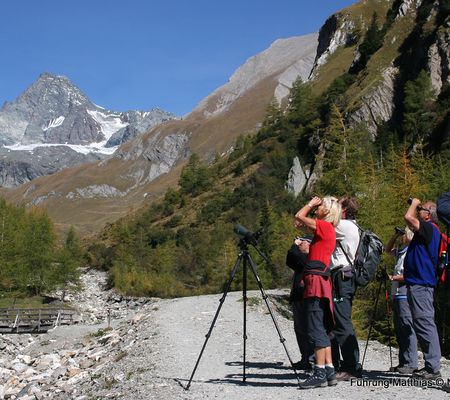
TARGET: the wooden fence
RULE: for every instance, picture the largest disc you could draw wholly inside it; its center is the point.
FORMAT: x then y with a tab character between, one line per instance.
20	320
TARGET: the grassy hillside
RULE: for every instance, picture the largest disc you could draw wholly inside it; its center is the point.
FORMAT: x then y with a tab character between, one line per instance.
184	243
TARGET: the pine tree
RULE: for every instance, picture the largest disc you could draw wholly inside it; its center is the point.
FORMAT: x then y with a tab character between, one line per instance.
38	252
68	263
342	157
418	113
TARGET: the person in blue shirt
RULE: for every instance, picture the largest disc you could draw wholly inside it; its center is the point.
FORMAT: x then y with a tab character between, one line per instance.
421	278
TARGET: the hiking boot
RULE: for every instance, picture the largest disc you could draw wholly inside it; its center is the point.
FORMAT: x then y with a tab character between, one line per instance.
303	365
405	370
347	375
331	376
317	379
394	369
423	373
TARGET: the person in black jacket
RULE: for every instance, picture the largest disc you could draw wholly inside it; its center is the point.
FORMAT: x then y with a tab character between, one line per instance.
296	259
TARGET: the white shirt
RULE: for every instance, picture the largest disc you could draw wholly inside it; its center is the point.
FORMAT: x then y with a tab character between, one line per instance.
347	233
396	289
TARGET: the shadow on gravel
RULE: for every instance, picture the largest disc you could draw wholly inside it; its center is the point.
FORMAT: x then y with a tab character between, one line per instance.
257	379
375	374
237	380
260	378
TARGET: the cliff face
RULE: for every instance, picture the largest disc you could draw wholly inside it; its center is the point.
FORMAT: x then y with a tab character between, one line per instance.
337	31
378	89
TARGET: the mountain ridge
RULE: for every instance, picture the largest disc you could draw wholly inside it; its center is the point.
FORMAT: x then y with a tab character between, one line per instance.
53	125
140	162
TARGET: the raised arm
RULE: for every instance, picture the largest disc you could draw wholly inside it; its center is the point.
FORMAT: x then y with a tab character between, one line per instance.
302	219
411	215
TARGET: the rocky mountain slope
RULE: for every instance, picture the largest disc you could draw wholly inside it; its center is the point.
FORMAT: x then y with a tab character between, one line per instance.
145	166
53	125
149	352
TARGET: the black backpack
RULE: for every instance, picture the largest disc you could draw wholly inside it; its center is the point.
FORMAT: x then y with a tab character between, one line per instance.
443	208
367	256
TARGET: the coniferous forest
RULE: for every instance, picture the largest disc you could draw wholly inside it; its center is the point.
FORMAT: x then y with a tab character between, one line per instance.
33	260
184	244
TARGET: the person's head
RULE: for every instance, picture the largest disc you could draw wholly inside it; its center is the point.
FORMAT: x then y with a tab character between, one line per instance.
427	212
329	210
349	207
407	237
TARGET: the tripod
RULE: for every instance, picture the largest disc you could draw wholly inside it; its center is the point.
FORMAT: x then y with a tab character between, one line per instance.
245	258
381	277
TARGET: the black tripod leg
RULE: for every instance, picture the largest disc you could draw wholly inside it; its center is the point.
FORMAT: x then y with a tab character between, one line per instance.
264	296
389	320
227	289
371	323
244	297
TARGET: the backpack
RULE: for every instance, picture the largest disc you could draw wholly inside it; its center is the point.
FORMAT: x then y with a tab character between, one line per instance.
443	208
367	257
443	212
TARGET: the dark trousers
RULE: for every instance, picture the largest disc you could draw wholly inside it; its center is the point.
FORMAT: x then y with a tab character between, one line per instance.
344	342
299	314
404	331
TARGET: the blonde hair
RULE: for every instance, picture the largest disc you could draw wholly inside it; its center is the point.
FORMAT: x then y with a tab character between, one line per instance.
333	209
409	233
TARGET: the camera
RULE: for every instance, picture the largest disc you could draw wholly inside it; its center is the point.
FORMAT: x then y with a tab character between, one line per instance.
399	231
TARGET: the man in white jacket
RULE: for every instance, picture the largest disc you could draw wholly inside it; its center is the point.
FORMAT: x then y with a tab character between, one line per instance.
344	342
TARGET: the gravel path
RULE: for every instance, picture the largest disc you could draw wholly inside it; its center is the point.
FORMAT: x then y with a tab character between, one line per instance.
153	346
167	343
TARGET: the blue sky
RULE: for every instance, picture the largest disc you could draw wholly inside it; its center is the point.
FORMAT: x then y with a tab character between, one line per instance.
141	54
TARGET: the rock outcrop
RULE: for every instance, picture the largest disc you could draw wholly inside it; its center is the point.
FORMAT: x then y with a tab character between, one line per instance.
337	31
378	105
297	178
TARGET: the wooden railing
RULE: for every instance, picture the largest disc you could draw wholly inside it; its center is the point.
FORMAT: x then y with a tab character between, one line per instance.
17	320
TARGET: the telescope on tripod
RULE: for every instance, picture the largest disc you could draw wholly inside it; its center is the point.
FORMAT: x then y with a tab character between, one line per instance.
244	258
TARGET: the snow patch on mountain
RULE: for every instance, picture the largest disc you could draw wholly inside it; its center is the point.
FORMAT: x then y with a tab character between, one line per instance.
53	123
92	148
109	123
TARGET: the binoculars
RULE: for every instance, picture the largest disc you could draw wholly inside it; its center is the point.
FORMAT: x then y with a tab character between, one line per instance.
399	231
419	207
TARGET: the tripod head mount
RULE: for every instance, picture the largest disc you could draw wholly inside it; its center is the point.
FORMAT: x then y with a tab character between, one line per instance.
382	274
248	236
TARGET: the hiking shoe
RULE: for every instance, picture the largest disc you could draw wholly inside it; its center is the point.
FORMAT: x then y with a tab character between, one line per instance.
404	369
331	376
317	379
394	369
303	365
425	374
347	375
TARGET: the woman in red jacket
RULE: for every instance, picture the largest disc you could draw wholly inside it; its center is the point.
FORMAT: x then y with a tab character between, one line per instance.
317	280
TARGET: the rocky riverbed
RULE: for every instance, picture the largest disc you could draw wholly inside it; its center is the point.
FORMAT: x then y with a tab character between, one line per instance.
148	348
